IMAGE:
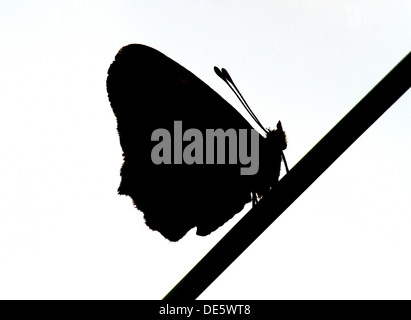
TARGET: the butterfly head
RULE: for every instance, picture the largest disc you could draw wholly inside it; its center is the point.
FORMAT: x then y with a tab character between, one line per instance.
277	137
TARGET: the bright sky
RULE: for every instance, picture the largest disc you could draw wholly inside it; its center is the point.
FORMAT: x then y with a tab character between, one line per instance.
66	234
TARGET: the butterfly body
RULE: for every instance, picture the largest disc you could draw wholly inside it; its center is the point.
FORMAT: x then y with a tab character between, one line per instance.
148	91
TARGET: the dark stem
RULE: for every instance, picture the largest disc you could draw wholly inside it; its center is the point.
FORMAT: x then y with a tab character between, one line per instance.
292	185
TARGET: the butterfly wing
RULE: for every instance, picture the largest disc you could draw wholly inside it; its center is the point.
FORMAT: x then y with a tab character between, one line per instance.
147	91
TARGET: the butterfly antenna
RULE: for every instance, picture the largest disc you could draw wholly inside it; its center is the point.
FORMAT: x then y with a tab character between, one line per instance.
224	75
230	80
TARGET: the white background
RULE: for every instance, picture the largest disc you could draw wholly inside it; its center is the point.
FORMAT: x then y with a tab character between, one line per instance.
66	234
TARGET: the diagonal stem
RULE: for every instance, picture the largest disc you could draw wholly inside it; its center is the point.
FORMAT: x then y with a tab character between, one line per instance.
300	177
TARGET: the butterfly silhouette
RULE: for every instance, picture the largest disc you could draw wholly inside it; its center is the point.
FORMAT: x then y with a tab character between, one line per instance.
148	91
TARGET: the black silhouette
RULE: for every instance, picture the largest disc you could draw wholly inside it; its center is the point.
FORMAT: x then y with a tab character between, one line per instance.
294	183
147	91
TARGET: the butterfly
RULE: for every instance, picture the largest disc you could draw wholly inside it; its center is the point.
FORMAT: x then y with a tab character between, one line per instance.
150	93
